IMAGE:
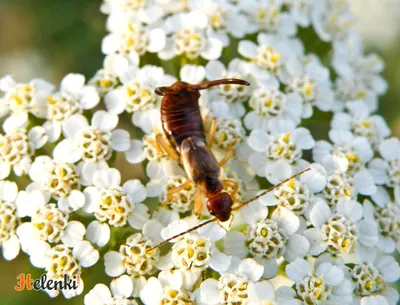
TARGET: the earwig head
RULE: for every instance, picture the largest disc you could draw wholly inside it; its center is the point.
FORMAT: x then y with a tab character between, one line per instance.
181	87
220	206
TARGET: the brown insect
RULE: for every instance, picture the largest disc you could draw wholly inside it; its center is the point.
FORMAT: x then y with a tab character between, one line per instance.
187	144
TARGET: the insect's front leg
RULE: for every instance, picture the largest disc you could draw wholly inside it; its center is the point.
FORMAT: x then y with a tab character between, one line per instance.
173	191
232	184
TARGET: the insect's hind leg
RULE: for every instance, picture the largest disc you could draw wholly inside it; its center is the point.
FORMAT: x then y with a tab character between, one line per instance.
211	131
228	155
171	192
198	203
162	143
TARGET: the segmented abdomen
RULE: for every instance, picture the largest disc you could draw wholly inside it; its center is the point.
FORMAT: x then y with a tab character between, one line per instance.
181	122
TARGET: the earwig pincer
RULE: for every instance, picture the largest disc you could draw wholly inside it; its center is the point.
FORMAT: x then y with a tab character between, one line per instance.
186	142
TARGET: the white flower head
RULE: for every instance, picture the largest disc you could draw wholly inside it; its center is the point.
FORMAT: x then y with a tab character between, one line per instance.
187	36
273	56
121	290
91	143
74	97
171	287
239	284
277	151
227	100
17	146
196	251
343	231
361	123
372	278
114	204
136	94
267	239
22	98
9	222
223	19
323	285
387	216
129	36
268	16
60	180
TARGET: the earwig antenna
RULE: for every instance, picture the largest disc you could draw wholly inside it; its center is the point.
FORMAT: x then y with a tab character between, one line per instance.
183	233
235	209
270	189
218	82
180	86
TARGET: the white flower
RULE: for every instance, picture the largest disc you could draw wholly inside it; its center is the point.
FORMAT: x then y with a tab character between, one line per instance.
311	81
223	18
343	231
268	239
196	251
386	171
107	78
116	204
240	284
227	100
74	97
269	104
349	154
171	287
361	123
187	36
16	149
91	143
277	151
137	96
121	290
351	90
324	285
20	99
371	279
300	11
129	36
273	55
332	20
60	180
134	256
268	16
146	11
9	221
387	216
350	62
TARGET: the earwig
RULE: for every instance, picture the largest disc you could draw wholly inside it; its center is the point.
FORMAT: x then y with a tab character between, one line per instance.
186	143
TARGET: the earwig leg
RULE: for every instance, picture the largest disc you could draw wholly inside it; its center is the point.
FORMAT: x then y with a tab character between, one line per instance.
180	187
169	150
198	203
211	131
233	184
228	155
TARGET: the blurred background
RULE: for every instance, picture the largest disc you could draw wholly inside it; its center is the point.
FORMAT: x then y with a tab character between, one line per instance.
50	38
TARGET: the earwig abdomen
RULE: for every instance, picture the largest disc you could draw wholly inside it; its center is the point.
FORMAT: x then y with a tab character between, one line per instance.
181	118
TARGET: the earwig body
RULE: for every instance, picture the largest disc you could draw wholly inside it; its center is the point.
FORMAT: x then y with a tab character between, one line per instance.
181	118
183	126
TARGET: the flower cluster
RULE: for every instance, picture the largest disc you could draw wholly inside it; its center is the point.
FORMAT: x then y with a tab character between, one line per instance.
328	236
